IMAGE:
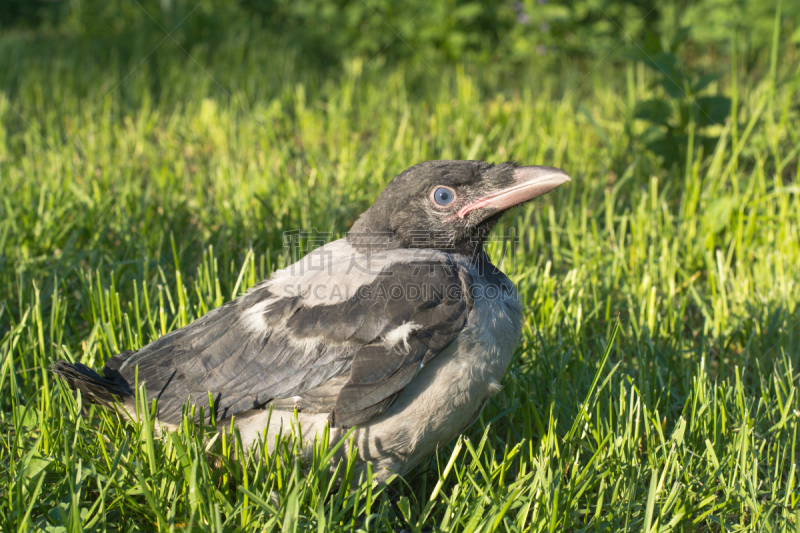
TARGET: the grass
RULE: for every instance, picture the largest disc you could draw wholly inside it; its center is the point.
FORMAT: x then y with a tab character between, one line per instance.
656	384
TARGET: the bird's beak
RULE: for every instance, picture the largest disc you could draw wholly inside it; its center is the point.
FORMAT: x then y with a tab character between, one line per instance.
529	182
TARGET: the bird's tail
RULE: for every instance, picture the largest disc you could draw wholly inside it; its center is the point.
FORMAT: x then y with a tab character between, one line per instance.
104	389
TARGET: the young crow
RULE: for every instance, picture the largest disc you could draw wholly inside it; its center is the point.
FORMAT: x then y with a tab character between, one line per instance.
403	329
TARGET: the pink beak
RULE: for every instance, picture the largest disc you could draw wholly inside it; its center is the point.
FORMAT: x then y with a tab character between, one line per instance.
529	182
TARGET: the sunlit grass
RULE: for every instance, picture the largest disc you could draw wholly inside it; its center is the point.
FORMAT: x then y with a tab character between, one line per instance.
129	210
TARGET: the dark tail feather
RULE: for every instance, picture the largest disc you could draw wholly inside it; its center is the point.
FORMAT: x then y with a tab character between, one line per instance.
100	389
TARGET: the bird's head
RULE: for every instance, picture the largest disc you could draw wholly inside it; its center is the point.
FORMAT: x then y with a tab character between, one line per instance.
449	205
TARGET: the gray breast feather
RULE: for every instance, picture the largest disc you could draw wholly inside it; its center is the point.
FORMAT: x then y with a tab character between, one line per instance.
346	356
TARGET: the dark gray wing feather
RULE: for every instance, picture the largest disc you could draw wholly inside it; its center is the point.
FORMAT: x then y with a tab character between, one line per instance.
353	373
378	374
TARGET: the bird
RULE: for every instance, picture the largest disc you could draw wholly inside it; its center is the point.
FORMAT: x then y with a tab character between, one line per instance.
400	332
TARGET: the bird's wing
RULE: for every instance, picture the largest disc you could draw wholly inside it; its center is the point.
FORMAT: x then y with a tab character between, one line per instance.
346	346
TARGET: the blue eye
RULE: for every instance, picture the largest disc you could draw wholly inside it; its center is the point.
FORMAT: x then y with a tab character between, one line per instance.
443	196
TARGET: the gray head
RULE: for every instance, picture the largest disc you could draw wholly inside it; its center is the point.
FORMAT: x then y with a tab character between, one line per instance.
449	205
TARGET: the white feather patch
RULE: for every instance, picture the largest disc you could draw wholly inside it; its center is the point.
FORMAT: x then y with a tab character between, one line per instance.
254	316
400	335
307	344
493	387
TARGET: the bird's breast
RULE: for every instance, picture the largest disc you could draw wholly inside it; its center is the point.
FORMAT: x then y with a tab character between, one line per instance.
472	367
448	393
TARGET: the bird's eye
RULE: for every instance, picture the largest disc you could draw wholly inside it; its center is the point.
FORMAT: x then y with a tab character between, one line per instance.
443	195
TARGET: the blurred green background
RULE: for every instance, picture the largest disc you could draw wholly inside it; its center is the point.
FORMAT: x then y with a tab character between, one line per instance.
552	46
510	33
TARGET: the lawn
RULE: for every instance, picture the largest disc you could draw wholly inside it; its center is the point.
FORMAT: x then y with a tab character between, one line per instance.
655	387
